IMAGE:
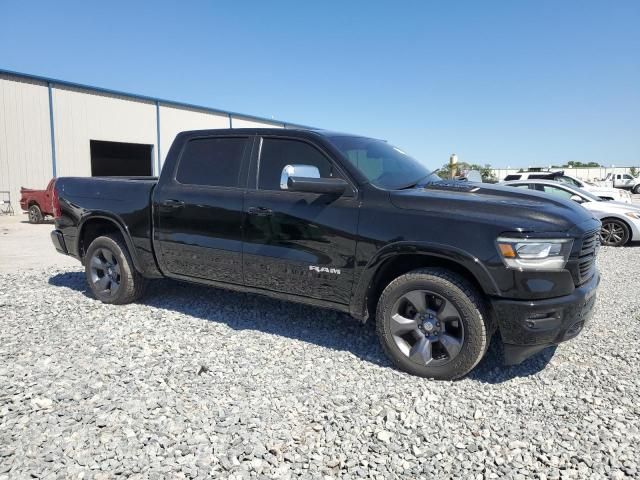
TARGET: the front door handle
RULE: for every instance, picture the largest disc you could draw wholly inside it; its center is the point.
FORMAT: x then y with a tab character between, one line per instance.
260	211
173	203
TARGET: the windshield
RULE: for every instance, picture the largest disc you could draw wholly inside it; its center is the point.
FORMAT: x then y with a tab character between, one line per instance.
384	165
568	181
589	195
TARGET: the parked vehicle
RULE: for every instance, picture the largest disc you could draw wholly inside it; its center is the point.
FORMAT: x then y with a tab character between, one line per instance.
624	181
349	223
620	221
602	191
37	203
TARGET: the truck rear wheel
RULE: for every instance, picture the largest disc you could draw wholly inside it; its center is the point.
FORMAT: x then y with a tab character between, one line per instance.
35	214
110	272
432	323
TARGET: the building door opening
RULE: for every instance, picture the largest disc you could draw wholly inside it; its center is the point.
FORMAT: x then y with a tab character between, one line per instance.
119	159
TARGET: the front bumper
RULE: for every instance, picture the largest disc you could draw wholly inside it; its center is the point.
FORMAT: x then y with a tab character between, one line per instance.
528	327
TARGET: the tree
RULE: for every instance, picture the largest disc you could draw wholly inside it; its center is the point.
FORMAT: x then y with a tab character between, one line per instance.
633	171
573	164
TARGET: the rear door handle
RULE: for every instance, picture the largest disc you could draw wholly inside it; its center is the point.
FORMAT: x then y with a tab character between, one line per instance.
260	211
173	204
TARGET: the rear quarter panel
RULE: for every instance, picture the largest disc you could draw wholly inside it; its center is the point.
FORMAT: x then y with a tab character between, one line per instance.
126	202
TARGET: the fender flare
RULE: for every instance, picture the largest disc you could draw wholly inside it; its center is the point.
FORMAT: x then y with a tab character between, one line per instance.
434	250
122	227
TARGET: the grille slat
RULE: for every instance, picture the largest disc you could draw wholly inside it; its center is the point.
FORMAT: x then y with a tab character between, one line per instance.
587	257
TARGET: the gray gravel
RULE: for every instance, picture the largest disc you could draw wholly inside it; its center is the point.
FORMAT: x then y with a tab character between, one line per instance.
196	382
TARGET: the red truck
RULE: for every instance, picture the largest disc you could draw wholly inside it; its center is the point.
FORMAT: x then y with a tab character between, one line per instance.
37	203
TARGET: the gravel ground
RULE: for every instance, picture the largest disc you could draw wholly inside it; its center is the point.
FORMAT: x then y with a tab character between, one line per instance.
196	382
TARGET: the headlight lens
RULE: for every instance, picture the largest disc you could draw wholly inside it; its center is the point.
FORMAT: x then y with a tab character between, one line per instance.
633	215
548	254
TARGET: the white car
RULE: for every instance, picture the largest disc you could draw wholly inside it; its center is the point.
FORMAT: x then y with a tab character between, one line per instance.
620	221
602	191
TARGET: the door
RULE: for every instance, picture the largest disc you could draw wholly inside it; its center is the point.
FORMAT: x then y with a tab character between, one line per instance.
199	211
298	243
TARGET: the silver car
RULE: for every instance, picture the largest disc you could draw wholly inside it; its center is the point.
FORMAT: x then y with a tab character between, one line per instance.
620	221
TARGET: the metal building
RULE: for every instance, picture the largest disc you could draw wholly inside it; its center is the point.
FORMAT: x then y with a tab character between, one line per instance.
52	128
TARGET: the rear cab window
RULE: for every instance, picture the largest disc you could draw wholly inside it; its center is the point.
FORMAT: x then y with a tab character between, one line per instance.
212	161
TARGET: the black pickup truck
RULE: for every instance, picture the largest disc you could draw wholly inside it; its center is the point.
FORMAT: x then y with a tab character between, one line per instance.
348	223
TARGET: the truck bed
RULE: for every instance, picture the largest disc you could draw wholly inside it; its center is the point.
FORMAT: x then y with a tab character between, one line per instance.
127	200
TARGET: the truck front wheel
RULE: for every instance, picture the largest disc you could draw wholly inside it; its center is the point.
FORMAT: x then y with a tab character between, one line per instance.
110	272
432	323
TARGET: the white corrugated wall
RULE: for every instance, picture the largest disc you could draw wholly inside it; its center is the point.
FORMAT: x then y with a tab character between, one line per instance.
25	140
174	120
83	115
241	122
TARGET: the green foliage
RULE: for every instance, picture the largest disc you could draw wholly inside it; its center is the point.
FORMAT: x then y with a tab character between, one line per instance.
573	164
633	171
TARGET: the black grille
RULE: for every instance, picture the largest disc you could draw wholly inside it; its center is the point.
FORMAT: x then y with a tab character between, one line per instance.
587	257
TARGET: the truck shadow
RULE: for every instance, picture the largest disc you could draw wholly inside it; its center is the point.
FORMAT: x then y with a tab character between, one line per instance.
335	330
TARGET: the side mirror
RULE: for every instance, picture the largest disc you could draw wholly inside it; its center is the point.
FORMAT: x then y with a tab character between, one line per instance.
577	198
335	186
304	171
306	178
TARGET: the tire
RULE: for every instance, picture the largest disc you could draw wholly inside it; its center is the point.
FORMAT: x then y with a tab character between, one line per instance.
636	189
614	232
110	272
35	214
468	324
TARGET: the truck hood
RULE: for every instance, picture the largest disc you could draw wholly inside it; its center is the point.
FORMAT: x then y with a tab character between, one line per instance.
514	209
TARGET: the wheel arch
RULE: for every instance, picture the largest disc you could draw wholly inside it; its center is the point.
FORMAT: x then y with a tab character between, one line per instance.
96	225
398	259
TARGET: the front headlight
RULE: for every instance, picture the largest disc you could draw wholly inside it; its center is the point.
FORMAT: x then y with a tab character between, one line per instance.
549	254
633	215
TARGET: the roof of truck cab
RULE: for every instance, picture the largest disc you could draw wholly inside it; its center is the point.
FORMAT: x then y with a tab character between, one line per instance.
272	131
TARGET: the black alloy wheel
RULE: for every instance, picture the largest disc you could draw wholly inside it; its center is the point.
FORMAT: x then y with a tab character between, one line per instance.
426	327
105	272
110	271
433	323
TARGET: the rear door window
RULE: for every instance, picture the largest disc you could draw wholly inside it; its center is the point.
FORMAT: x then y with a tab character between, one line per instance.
558	192
212	162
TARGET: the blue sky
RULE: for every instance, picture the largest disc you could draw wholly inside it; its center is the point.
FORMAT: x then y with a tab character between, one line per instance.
503	82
